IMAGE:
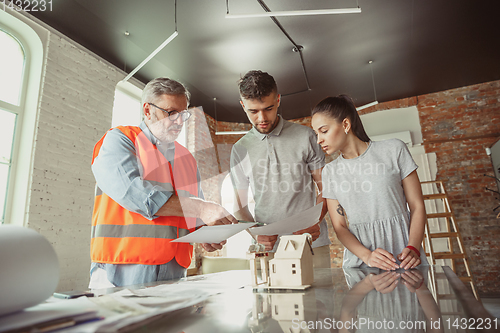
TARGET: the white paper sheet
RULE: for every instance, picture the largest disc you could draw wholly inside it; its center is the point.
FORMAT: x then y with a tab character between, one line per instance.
209	284
214	234
297	222
29	268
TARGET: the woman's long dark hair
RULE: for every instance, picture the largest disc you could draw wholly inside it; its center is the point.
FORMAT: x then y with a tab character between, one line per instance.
339	108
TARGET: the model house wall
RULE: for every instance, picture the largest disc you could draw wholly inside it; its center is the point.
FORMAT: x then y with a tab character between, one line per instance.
292	264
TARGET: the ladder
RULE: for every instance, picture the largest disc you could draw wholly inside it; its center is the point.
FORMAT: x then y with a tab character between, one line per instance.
447	237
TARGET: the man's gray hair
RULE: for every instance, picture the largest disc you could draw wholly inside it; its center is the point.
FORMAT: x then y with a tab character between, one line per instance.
163	86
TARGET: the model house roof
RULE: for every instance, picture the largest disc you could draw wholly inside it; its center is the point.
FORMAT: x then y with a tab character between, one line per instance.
292	247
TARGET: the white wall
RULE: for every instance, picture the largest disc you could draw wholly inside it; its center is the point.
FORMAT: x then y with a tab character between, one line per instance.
392	121
127	108
74	111
383	124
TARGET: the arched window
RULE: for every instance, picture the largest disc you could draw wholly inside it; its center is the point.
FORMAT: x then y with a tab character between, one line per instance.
12	90
21	63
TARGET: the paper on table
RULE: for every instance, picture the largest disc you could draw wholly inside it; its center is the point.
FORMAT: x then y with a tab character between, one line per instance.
214	233
30	269
297	222
209	284
124	310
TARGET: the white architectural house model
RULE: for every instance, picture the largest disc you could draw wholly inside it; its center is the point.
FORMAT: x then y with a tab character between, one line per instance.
291	268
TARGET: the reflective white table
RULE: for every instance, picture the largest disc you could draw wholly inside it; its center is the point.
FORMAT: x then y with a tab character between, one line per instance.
429	299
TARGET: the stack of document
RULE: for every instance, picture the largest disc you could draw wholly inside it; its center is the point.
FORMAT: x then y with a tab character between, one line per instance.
129	308
118	312
123	310
46	318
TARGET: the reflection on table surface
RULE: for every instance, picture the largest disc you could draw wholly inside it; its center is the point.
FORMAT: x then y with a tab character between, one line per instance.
340	300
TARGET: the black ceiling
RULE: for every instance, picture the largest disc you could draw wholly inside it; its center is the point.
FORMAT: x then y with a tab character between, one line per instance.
417	46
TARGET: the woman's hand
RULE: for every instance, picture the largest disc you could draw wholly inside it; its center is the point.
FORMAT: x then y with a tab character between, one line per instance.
409	259
382	259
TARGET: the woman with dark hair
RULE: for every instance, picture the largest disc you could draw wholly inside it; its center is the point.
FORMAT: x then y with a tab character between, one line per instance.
368	189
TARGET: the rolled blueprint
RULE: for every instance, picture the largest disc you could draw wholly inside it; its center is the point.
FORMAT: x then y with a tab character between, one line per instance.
29	269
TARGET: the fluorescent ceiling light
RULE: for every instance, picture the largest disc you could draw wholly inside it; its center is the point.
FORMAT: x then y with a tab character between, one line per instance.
230	132
145	61
367	105
374	91
298	13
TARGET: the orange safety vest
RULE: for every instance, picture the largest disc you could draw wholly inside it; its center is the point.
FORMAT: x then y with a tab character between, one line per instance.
120	236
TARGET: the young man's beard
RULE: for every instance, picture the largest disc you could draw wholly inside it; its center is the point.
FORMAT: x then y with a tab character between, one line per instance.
271	126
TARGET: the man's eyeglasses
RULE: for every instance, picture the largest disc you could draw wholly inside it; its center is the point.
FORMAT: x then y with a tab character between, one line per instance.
173	115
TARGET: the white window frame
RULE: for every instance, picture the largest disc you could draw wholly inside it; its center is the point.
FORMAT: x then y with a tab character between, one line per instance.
21	170
18	111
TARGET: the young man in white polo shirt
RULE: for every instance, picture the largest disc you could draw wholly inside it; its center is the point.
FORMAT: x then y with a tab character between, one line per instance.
280	161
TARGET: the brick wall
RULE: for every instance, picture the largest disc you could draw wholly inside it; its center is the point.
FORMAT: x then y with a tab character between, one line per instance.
201	143
226	142
458	125
76	103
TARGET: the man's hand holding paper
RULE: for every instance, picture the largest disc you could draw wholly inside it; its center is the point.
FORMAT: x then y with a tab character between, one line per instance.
314	231
298	223
267	241
214	214
211	247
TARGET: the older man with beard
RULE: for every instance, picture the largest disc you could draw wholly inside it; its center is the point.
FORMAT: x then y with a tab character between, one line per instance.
148	193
